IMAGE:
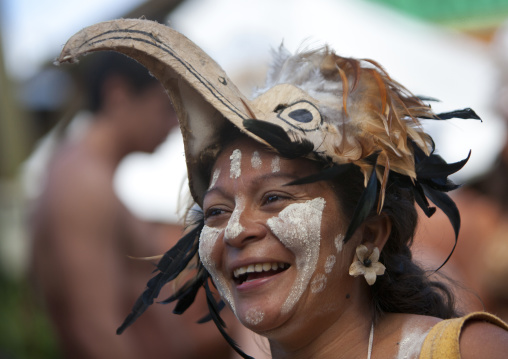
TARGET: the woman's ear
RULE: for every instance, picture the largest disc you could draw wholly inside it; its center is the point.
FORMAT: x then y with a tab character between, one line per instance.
376	231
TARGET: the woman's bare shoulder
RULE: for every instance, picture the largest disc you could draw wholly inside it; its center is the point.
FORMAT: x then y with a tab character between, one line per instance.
403	334
399	320
483	340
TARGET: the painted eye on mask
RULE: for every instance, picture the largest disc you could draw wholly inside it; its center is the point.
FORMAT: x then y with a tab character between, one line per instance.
301	115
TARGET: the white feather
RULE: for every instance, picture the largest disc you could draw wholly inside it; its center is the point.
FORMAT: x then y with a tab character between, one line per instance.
302	70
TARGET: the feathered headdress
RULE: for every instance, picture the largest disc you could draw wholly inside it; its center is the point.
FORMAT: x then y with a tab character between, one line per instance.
342	111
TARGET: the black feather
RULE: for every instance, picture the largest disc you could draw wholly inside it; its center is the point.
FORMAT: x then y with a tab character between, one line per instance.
171	261
174	262
433	170
427	98
466	113
365	204
208	317
440	184
277	137
155	284
445	203
422	200
170	266
435	167
137	309
186	298
213	306
214	313
420	156
187	293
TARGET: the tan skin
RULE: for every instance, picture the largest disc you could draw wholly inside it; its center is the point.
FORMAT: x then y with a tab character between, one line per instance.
334	323
83	237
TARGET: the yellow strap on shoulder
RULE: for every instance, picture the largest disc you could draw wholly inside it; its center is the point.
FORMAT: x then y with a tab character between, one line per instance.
442	342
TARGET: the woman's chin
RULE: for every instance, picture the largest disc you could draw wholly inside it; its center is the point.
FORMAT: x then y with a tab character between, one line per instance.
261	317
260	308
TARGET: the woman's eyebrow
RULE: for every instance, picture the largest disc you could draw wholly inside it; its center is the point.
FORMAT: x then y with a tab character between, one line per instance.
265	177
214	189
277	175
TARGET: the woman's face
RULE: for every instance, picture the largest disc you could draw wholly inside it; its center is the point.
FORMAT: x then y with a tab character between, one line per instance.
274	251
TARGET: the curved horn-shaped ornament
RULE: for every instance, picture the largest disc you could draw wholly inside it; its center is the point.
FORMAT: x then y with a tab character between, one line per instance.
199	89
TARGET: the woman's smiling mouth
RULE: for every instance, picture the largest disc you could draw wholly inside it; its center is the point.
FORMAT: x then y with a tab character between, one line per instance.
257	271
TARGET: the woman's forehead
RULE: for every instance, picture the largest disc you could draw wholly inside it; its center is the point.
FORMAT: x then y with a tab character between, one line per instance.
248	164
242	149
247	152
247	144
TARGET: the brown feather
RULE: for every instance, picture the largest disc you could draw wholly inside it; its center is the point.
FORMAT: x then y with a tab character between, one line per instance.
345	91
384	181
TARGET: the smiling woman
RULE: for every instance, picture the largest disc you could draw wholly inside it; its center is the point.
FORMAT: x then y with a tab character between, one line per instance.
263	238
305	203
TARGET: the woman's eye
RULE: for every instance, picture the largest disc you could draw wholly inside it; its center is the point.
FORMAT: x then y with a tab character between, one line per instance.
272	198
212	212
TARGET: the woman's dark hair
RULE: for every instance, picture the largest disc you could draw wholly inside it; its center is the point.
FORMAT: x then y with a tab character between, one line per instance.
405	287
104	65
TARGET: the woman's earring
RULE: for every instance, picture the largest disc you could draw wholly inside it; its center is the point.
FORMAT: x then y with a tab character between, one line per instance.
369	266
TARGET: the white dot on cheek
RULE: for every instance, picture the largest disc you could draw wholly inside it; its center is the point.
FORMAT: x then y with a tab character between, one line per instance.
254	316
330	262
318	283
339	241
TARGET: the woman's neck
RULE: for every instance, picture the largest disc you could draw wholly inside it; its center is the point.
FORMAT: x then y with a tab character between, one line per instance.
346	336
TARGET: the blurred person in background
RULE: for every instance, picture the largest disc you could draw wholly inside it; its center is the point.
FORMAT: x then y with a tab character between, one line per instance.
479	264
84	238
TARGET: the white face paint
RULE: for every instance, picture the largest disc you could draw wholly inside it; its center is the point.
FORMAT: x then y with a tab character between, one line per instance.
411	342
298	227
339	242
254	316
207	240
276	164
318	283
234	228
330	262
215	177
236	164
256	160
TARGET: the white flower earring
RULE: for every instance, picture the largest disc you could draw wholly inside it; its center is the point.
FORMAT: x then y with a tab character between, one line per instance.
369	266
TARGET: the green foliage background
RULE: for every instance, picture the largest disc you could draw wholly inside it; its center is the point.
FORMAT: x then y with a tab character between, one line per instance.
25	331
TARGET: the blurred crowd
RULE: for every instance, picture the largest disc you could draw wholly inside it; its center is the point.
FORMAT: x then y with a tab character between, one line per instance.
90	255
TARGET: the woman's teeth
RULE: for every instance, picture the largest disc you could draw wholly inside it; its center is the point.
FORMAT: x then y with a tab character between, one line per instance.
258	268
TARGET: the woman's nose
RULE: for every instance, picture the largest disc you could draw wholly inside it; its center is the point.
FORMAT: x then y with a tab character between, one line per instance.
243	227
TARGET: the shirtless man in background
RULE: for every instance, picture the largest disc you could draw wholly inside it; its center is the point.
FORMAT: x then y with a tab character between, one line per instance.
83	236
